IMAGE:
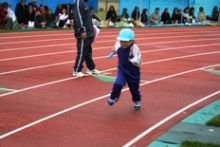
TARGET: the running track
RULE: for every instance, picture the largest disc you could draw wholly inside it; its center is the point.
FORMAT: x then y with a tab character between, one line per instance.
49	107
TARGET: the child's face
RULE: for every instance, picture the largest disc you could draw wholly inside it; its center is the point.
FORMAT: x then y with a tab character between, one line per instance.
125	44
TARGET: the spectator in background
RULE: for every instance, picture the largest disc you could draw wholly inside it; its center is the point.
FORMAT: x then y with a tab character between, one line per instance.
39	20
125	14
5	20
20	11
42	10
215	14
191	13
94	16
30	13
111	14
34	3
63	20
201	15
58	10
144	17
175	15
11	14
50	18
155	17
165	17
180	16
95	19
186	17
136	14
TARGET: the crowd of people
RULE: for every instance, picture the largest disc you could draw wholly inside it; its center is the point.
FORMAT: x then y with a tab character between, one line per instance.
177	16
31	15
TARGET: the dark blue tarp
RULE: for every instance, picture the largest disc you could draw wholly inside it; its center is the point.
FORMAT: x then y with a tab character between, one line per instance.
170	4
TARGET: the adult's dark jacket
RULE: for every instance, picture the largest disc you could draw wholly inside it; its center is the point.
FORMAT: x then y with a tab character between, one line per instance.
20	12
82	19
30	15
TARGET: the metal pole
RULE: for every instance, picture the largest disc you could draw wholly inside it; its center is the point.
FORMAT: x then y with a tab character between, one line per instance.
182	11
149	9
68	7
219	17
140	8
106	7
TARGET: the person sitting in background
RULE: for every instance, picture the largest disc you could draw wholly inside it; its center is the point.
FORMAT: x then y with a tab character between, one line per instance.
215	14
58	11
43	10
191	13
94	16
50	18
144	18
175	15
136	14
179	17
5	20
165	17
30	13
111	14
155	17
186	17
125	14
39	20
63	20
201	15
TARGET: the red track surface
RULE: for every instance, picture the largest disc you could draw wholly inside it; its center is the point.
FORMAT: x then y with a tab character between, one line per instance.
39	66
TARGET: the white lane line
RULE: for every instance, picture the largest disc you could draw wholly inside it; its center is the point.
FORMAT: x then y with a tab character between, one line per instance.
108	47
67	44
168	118
59	33
68	62
72	39
91	101
153	33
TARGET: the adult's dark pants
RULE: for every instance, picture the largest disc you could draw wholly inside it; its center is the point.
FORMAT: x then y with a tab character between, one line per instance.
84	53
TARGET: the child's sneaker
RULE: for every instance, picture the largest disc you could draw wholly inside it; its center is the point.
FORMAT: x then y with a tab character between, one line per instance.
94	71
111	102
78	74
137	105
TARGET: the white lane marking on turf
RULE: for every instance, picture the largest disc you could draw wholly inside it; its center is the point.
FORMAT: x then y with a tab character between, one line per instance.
168	118
90	101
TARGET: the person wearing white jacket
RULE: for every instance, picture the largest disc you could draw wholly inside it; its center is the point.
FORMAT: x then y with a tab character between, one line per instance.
129	62
11	14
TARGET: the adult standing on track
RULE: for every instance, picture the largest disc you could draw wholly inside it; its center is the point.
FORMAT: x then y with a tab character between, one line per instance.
84	33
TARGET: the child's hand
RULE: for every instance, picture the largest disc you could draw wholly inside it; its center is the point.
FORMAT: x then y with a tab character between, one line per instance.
131	51
113	50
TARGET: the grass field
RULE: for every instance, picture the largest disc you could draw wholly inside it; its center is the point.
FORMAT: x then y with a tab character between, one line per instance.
198	144
214	121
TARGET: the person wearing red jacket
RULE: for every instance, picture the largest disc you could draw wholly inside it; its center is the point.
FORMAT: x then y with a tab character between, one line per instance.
5	21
